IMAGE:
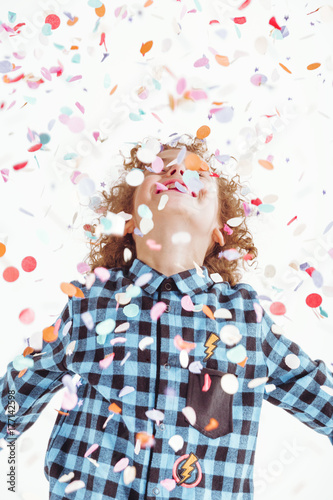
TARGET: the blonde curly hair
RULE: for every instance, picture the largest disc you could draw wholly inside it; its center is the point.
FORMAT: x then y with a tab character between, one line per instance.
108	250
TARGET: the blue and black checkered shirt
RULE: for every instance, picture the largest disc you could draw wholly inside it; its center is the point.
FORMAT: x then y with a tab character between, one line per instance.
175	412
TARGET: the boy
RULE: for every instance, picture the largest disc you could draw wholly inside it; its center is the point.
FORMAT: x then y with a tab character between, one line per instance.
174	359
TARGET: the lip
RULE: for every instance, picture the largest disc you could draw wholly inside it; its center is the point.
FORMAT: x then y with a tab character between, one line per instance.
173	181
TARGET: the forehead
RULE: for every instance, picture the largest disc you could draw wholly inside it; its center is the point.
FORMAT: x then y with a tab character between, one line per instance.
170	154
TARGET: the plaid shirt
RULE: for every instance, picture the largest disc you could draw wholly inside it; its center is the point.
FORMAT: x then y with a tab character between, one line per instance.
213	351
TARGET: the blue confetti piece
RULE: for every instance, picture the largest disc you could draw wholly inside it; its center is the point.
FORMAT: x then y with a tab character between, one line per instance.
11	17
131	310
236	354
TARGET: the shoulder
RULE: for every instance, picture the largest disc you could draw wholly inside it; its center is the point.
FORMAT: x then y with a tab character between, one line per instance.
240	290
96	285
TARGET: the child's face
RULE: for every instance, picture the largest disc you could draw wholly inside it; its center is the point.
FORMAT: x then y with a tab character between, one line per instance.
202	209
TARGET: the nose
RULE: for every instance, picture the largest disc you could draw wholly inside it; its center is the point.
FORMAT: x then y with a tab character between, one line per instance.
176	169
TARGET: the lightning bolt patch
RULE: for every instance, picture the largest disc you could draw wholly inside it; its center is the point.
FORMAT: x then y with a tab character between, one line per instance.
187	468
210	345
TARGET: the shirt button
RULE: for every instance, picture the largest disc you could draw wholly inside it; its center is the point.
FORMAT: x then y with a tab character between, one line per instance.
167	309
166	366
162	427
156	491
167	286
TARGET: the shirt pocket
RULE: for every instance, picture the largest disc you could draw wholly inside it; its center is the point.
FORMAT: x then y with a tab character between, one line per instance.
213	403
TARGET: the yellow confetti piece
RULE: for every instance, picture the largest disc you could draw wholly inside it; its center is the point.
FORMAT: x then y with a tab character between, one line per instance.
285	68
313	66
266	164
146	47
222	60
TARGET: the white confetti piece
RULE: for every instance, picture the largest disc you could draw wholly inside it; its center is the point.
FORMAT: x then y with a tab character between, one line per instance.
74	486
163	201
122	328
258	310
222	313
277	329
230	335
126	390
269	388
184	358
256	382
145	342
327	389
88	320
216	277
135	177
229	383
176	442
181	238
190	414
156	415
118	340
292	361
129	474
195	367
123	361
146	225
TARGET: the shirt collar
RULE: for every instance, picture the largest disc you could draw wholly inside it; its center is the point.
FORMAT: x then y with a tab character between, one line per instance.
188	282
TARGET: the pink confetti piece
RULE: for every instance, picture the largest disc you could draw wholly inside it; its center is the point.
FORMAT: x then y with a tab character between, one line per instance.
203	61
81	108
75	78
157	310
181	85
186	303
46	74
118	340
102	274
207	383
168	484
258	311
90	450
121	465
106	362
75	124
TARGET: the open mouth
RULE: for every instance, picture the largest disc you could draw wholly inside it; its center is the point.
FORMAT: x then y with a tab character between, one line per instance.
175	186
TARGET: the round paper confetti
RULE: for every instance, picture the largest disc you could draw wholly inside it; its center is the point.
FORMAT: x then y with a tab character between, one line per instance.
203	132
157	310
135	177
277	308
29	264
66	477
145	342
230	335
184	358
105	327
168	484
256	382
229	383
236	354
2	249
10	274
129	474
292	361
69	400
131	310
27	316
53	20
176	442
313	300
223	313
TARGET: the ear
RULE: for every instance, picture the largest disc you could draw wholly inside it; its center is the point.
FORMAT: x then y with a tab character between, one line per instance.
129	227
218	236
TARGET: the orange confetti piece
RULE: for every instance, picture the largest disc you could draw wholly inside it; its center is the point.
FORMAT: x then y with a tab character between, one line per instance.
194	162
266	164
100	11
71	23
145	47
115	408
218	103
68	289
62	412
285	68
50	334
243	363
313	66
2	249
144	438
213	424
74	47
28	350
208	311
171	102
114	89
79	293
203	132
222	60
149	2
183	344
22	372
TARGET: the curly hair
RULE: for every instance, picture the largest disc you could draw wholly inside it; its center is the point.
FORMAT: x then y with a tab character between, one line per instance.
108	250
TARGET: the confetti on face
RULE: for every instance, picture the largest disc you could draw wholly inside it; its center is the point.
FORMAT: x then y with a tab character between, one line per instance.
163	201
153	245
181	238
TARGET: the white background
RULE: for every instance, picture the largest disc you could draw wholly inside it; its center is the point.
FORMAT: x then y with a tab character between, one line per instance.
301	151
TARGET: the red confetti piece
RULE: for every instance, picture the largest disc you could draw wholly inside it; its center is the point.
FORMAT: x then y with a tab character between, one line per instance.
53	20
29	264
27	316
18	166
245	4
277	308
310	270
207	383
10	274
13	80
256	202
36	147
239	20
214	21
313	300
103	40
146	47
292	220
248	256
273	23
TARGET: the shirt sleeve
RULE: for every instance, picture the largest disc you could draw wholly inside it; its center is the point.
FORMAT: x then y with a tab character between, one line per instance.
30	392
303	387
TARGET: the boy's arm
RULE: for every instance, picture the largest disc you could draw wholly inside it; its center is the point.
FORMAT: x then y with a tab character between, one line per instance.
34	389
300	390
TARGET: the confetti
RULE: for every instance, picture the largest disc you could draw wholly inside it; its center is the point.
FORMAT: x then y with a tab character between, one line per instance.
203	132
125	391
53	20
157	310
313	66
230	335
229	383
27	316
129	474
74	486
146	47
292	361
313	300
189	414
10	274
66	477
213	424
121	465
168	484
106	362
277	308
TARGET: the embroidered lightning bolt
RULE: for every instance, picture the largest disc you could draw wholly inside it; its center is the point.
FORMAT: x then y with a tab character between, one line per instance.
188	468
210	345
